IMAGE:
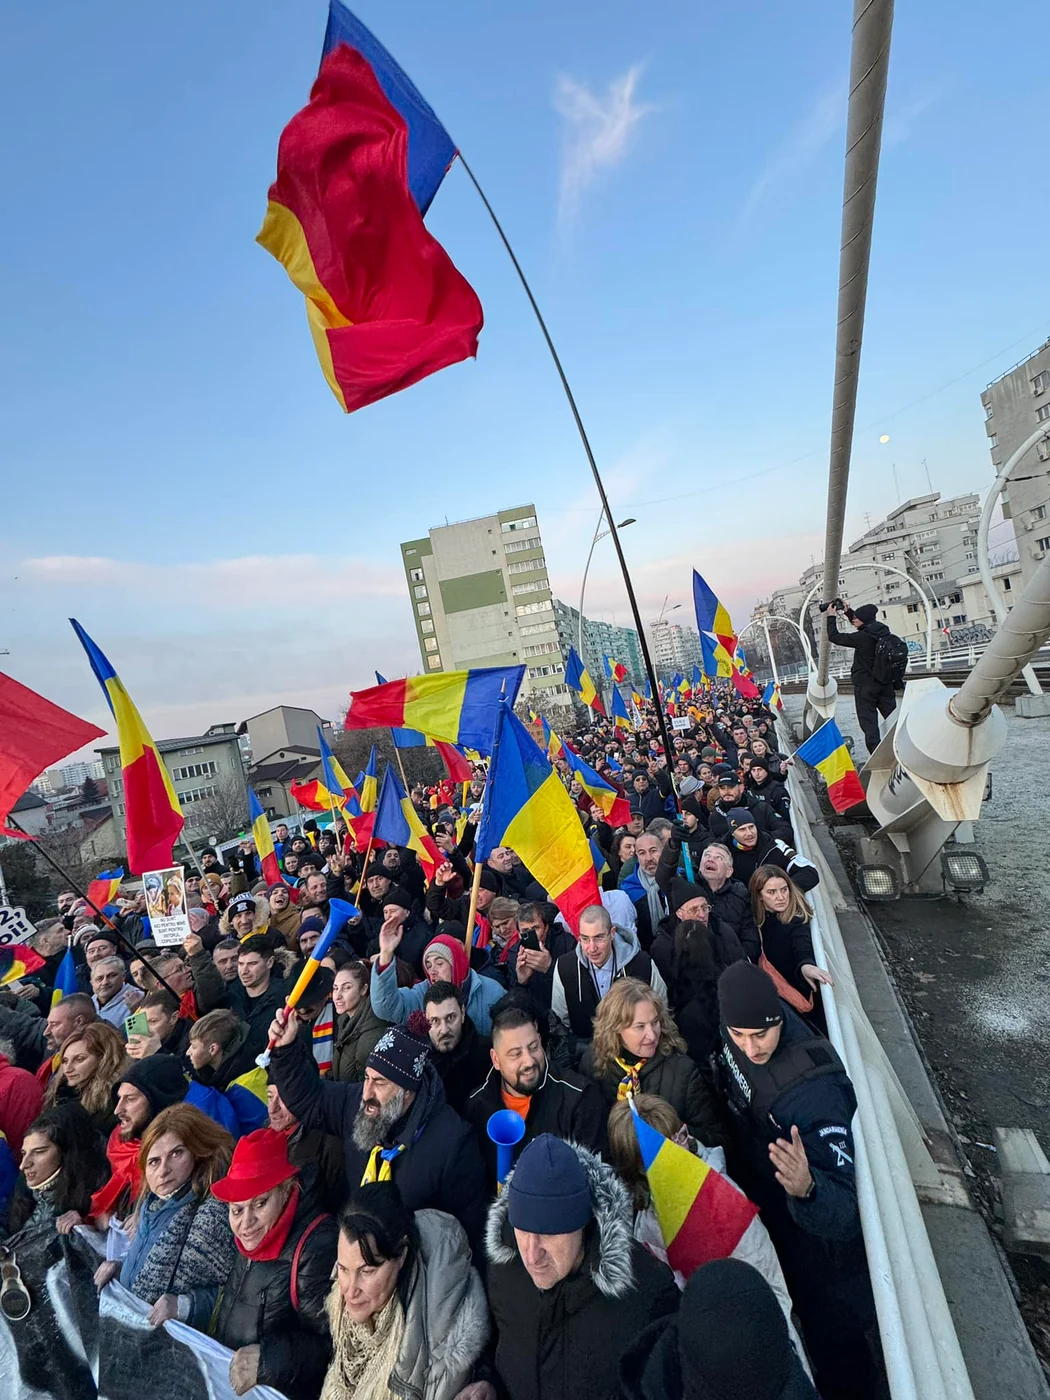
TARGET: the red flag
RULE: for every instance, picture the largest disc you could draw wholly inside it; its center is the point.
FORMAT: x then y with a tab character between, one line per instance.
459	769
34	733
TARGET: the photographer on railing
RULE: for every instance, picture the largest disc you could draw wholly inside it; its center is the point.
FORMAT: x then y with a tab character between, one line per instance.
877	669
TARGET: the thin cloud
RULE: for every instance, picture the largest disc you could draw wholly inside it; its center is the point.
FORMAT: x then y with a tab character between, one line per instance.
799	148
597	134
900	121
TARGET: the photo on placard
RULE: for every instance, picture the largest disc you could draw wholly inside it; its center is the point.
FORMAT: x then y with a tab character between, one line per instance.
165	892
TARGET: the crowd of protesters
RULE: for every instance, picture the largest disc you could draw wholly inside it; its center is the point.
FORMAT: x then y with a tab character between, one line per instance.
337	1220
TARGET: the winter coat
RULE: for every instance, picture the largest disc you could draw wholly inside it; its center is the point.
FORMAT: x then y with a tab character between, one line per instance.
355	1039
732	907
565	1104
24	1028
788	946
441	1167
652	1370
767	851
651	803
693	982
567	1341
394	1003
631	885
182	1246
463	1068
862	642
319	1157
255	1306
766	819
446	1320
575	997
21	1098
773	791
673	1078
415	935
258	1011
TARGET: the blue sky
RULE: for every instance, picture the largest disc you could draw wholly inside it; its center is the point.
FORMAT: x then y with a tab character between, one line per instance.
176	473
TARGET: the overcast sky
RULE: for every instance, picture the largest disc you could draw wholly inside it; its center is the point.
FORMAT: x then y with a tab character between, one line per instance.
176	473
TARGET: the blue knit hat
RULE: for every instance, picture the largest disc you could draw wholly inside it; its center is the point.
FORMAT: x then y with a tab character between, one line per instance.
549	1193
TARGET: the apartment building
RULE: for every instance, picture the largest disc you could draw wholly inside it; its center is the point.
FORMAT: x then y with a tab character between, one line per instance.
206	772
1015	405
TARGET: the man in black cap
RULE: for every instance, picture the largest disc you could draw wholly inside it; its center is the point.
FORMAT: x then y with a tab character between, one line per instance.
790	1105
569	1287
396	1126
871	696
731	794
240	915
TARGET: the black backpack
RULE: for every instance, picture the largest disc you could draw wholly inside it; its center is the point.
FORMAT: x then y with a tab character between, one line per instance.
890	660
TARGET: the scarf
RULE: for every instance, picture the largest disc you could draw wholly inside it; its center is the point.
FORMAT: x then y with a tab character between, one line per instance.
271	1244
630	1084
124	1166
653	897
323	1035
378	1168
362	1357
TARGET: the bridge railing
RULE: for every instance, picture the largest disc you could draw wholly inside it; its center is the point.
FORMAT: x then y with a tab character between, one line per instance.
920	1345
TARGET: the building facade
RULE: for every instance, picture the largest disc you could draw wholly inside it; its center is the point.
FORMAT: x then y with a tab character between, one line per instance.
206	771
600	639
675	648
481	596
1015	405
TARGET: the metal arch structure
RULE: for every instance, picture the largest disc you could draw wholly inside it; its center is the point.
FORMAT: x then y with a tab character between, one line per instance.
779	617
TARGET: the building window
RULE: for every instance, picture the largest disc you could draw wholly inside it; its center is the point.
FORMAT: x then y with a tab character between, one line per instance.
416	575
423	609
196	794
534	587
958	619
540	648
526	566
420	590
1042	448
1041	382
1043	413
195	770
411	551
426	625
933	578
1039	513
523	609
120	809
516	546
913	607
535	628
993	440
434	662
1044	543
543	670
973	569
431	643
988	410
511	526
953	598
1007	585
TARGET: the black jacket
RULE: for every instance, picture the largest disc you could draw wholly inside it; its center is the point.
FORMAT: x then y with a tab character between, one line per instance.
691	968
652	1369
774	792
567	1341
768	851
255	1306
862	642
766	818
732	907
415	935
441	1168
675	1079
651	803
788	946
541	984
565	1105
463	1068
258	1011
354	1040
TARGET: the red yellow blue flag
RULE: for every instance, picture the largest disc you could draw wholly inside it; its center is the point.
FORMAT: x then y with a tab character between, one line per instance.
614	670
711	615
397	823
578	678
458	707
620	718
528	809
154	817
65	983
102	890
615	809
17	960
826	751
264	847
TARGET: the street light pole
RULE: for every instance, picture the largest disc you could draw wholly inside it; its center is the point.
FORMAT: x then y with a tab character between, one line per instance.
599	534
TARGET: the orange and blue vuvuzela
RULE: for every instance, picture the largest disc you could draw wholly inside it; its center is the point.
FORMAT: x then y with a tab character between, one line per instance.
356	171
826	751
528	809
154	817
458	707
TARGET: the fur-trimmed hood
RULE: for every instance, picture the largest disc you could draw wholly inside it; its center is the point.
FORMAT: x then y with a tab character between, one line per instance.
609	1243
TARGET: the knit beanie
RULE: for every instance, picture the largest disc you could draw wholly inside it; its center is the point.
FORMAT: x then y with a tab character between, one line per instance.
682	891
399	1057
396	895
548	1193
747	998
867	612
241	904
740	816
728	1312
490	880
159	1078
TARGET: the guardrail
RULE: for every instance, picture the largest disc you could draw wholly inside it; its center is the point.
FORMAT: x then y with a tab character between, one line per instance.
921	1349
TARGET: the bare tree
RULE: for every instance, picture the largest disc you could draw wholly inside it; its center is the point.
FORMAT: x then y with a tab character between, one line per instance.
222	815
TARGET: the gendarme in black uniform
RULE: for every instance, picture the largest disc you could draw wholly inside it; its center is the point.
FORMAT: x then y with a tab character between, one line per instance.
817	1238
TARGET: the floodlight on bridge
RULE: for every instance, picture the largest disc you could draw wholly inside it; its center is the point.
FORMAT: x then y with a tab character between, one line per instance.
878	883
965	872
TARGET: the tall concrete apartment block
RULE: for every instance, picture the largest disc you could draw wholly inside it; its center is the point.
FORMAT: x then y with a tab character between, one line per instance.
1014	406
481	597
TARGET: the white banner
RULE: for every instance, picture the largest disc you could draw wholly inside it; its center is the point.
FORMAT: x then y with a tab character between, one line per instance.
165	892
15	927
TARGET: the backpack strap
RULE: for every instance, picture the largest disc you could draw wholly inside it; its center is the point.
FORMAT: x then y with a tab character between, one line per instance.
317	1220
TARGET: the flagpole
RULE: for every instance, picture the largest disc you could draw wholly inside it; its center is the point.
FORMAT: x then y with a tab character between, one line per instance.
650	672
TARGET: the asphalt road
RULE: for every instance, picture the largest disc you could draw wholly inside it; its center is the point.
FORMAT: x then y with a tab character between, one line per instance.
975	972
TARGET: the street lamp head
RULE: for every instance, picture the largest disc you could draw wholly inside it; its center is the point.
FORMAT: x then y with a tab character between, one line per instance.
624	523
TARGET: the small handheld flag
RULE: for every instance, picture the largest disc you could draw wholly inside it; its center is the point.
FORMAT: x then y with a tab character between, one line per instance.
65	978
264	847
17	960
397	823
826	751
340	912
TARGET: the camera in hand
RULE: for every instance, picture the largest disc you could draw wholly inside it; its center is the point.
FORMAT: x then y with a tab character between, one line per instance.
835	603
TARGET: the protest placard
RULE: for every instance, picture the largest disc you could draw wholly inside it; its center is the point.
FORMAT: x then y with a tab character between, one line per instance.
165	892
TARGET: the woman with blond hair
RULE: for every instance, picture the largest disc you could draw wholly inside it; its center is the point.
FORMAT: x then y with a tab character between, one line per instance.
93	1061
636	1049
181	1244
783	917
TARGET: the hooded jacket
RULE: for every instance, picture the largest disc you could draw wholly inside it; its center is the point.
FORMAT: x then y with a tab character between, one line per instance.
441	1167
393	1003
693	978
862	641
567	1341
575	998
446	1317
565	1104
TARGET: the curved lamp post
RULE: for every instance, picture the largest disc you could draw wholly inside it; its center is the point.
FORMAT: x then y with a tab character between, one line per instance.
599	534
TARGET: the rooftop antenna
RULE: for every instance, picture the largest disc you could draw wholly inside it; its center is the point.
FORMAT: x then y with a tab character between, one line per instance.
926	469
896	483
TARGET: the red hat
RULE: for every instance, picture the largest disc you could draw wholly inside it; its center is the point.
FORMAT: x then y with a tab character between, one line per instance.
260	1162
452	948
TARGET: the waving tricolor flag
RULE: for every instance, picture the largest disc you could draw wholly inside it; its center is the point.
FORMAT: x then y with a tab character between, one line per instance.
102	890
356	171
771	696
620	718
578	678
397	823
457	707
154	817
614	670
711	615
613	806
264	847
826	751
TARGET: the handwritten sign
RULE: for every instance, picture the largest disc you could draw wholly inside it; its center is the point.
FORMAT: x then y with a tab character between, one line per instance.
15	927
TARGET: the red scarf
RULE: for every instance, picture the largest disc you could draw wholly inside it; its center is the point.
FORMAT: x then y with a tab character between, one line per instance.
124	1165
271	1244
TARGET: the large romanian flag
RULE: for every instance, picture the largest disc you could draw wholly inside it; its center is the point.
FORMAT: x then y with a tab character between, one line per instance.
356	171
578	678
702	1215
717	661
102	890
826	751
528	809
452	755
264	847
154	817
615	809
458	707
711	615
397	823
